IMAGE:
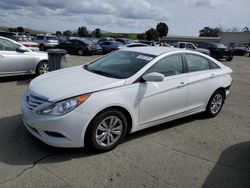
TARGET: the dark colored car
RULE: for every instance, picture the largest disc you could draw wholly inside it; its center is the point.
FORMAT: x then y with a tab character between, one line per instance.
80	46
218	50
109	46
239	49
124	41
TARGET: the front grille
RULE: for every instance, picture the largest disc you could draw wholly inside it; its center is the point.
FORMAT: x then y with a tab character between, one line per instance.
33	102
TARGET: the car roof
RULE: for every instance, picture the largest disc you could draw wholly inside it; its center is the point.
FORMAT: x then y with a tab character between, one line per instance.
152	50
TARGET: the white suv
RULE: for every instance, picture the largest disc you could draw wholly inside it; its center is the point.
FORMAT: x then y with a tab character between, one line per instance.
46	42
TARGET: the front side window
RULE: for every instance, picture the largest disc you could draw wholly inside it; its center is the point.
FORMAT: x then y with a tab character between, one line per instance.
168	66
120	64
196	63
6	45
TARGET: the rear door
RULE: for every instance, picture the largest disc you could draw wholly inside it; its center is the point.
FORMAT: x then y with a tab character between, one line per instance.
12	61
202	75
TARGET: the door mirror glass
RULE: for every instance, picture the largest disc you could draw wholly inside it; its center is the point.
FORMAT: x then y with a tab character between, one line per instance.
21	49
153	77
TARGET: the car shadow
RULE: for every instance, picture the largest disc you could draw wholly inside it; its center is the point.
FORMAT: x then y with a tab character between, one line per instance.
21	80
232	169
19	147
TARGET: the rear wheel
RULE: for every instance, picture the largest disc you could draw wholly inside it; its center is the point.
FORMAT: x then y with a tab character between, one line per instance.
215	103
106	130
42	68
80	52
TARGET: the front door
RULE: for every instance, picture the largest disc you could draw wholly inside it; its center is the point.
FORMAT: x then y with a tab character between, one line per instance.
159	100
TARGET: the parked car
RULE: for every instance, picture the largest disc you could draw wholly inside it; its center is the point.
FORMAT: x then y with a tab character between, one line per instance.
149	43
24	40
109	46
124	41
45	42
247	49
100	41
218	50
239	49
190	46
80	46
135	44
97	104
16	59
166	45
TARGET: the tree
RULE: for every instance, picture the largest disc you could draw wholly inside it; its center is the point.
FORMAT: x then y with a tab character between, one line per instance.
58	33
67	33
97	33
20	29
210	32
152	34
82	31
162	29
141	36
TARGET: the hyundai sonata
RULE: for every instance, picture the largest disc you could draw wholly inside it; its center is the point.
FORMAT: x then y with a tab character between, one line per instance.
98	103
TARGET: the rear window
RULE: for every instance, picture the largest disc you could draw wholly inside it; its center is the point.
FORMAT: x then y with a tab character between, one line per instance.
51	38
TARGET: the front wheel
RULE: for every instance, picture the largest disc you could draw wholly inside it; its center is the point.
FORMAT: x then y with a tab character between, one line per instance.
42	68
106	130
215	103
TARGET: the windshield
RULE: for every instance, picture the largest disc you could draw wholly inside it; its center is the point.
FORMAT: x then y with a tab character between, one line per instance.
220	45
120	64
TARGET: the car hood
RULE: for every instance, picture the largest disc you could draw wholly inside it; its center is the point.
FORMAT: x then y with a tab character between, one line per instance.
70	82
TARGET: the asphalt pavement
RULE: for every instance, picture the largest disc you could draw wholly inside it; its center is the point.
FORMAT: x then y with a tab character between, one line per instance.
190	152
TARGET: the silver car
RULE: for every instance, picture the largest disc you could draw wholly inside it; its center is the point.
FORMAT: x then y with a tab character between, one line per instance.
16	59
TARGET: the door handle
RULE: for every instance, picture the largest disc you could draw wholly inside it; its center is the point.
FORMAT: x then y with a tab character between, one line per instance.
182	84
1	56
212	75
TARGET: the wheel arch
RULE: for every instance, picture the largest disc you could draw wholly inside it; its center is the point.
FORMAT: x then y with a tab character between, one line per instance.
116	107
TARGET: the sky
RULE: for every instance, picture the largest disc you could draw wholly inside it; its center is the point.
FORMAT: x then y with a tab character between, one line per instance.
183	17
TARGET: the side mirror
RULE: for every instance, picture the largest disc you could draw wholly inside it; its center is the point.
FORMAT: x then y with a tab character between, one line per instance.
21	49
153	77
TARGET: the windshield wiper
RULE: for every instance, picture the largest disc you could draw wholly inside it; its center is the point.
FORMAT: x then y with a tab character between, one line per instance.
101	73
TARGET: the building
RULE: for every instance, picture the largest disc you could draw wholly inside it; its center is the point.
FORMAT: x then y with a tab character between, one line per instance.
173	38
235	37
225	38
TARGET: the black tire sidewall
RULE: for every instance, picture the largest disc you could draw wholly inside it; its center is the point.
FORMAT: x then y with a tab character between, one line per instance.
208	108
94	124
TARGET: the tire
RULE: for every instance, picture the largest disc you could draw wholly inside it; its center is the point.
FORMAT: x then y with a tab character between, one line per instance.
110	126
41	47
42	68
215	103
80	52
229	58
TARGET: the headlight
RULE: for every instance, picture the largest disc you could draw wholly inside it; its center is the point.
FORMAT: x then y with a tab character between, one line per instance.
64	107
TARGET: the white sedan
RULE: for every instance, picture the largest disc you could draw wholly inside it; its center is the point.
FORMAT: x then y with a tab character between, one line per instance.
123	92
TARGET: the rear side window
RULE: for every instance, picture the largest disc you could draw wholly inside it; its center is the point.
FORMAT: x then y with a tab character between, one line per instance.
196	63
168	66
106	43
39	37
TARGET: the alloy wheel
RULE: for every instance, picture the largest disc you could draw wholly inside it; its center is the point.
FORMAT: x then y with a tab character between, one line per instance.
43	68
109	131
216	103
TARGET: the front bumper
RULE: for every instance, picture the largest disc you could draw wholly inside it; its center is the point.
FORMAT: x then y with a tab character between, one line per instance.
60	131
